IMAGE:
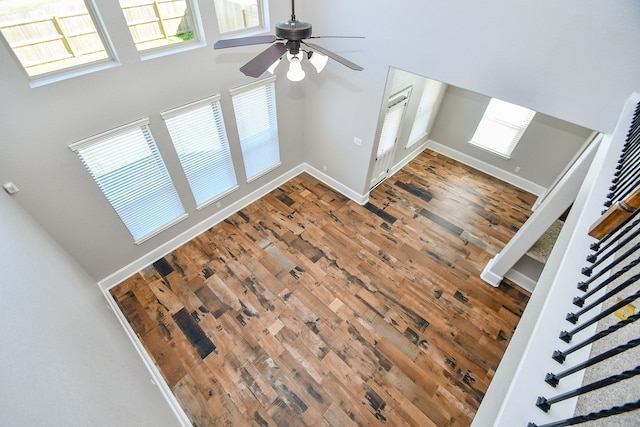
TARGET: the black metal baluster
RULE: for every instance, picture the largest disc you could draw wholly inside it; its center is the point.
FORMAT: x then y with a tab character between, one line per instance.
560	356
596	246
623	176
629	186
592	416
553	379
625	164
608	267
615	249
573	317
545	404
566	336
579	301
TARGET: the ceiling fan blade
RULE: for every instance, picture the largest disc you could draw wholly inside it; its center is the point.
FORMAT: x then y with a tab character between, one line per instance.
334	56
243	41
336	37
260	63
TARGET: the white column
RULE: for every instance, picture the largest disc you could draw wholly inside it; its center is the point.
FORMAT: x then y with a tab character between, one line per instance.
555	203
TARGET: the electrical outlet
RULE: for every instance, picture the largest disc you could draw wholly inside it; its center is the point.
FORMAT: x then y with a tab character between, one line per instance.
517	169
218	205
324	168
357	141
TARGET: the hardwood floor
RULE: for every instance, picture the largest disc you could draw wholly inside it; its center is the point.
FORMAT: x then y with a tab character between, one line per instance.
308	309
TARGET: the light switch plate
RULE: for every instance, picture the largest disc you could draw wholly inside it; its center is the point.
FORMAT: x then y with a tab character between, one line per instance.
10	188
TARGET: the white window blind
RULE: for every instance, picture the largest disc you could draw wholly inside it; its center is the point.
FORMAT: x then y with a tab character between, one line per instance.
200	139
255	109
501	127
391	127
126	165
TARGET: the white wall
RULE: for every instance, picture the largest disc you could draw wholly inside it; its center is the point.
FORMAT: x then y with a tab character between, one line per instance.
574	60
65	360
462	110
37	125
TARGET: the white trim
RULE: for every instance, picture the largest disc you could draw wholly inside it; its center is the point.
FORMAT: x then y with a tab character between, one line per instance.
161	229
264	172
515	385
489	150
75	146
156	376
522	280
217	198
361	199
416	150
489	276
190	106
421	138
129	270
142	262
494	171
253	85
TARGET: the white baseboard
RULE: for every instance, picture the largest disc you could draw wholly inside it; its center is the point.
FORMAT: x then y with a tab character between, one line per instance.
142	262
487	168
360	199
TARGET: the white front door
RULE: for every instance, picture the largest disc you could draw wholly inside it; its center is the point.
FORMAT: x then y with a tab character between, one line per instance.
389	136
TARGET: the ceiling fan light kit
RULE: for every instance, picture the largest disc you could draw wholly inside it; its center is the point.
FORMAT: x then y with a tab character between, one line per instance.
289	40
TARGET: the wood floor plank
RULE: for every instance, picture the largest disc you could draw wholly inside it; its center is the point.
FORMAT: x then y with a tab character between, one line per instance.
305	308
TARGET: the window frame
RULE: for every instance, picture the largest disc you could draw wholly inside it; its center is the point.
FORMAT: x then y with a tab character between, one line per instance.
263	25
490	118
121	198
74	70
197	41
212	102
249	145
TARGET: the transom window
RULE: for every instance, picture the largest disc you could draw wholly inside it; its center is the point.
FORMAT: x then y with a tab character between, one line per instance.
49	36
239	15
255	108
127	166
158	23
200	139
501	127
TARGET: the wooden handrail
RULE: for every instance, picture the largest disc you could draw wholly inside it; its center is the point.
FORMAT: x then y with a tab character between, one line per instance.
615	215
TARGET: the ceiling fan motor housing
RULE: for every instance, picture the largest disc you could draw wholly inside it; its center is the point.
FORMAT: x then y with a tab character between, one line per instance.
293	30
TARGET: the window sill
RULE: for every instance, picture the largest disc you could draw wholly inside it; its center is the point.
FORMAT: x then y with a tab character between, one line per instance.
217	198
488	150
38	81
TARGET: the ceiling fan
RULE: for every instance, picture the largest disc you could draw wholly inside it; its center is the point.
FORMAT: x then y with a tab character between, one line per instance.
289	39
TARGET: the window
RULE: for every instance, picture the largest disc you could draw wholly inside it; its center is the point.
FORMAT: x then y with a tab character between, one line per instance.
238	15
47	37
501	127
427	110
126	165
198	133
159	23
255	108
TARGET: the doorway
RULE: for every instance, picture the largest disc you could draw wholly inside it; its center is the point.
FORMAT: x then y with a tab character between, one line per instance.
393	120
